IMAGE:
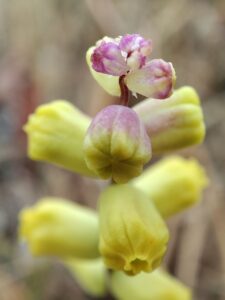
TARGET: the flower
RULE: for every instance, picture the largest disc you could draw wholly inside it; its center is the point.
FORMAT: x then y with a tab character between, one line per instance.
133	236
55	134
116	144
175	123
173	184
127	57
57	227
158	285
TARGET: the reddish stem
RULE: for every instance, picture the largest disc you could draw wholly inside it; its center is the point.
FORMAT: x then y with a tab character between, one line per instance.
124	96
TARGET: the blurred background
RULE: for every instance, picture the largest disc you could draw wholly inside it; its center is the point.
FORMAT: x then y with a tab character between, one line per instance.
42	57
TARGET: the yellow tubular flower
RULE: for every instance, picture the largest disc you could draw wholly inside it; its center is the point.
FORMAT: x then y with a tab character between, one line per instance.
157	285
55	134
91	274
133	236
173	184
57	227
174	123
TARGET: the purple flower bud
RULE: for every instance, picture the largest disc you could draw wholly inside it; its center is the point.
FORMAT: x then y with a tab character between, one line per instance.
155	79
132	42
107	59
128	56
137	50
116	144
118	56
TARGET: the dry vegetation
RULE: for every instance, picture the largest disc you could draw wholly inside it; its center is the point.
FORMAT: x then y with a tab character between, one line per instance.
42	57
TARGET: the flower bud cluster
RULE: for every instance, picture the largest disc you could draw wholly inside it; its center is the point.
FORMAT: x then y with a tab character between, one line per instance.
129	56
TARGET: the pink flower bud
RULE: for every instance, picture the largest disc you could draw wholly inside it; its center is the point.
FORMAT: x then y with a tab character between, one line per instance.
116	144
107	58
137	50
155	79
128	56
132	42
118	56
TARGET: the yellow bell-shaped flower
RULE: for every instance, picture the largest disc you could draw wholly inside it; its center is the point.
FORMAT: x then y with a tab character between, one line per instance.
133	236
174	123
55	134
173	184
59	228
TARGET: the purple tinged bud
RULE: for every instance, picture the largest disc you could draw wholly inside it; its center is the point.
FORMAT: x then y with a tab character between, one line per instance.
116	144
129	56
107	58
133	42
118	56
136	49
155	79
